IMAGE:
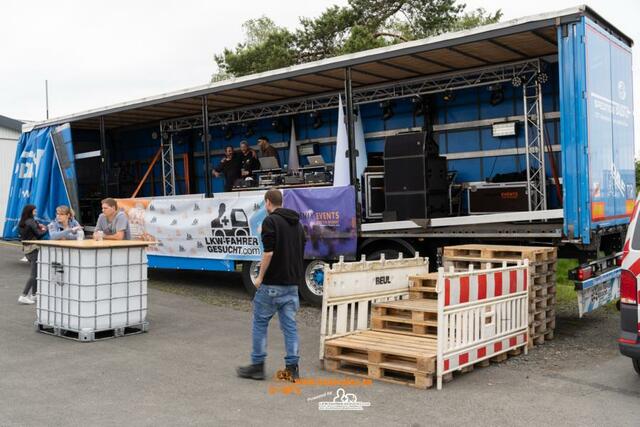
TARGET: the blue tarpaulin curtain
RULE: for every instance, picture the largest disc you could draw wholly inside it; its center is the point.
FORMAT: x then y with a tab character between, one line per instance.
36	180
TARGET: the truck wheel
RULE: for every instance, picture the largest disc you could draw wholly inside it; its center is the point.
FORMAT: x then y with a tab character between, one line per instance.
311	289
388	254
250	270
636	365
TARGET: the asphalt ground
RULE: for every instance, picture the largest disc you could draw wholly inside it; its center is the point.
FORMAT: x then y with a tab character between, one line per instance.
182	372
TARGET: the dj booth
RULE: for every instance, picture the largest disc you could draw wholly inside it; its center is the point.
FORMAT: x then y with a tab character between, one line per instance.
316	174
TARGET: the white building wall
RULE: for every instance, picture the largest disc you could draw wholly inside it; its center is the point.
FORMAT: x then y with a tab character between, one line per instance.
8	142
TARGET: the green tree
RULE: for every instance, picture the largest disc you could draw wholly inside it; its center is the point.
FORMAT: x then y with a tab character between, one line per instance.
361	25
638	176
266	47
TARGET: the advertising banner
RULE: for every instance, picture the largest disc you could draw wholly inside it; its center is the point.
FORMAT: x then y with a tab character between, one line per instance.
328	215
220	228
227	227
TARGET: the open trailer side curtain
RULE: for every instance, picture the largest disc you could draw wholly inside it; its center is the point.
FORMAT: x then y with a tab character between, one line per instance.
36	180
63	146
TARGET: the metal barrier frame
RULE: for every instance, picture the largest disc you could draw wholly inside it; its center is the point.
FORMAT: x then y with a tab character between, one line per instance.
481	314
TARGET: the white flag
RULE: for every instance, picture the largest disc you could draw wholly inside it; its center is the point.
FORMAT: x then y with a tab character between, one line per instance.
341	165
361	159
294	164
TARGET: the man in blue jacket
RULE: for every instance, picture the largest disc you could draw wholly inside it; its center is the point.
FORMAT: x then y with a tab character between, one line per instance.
281	271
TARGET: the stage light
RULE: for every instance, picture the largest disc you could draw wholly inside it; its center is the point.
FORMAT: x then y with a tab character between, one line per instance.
418	106
317	119
387	110
497	94
277	125
248	130
228	132
503	129
448	96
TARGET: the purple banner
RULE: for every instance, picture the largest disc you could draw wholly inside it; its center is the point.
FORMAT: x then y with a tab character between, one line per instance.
328	215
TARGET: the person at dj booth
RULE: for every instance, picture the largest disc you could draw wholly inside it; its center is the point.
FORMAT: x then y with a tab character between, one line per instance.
268	150
248	161
229	167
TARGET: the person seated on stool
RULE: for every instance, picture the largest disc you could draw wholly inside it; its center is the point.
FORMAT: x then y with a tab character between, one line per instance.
113	223
65	226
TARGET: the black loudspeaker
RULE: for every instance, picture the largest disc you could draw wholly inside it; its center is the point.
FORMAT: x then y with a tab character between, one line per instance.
415	180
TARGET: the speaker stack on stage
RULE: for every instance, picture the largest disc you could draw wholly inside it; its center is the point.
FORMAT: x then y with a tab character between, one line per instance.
415	178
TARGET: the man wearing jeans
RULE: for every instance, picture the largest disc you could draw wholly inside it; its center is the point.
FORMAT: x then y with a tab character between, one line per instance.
281	270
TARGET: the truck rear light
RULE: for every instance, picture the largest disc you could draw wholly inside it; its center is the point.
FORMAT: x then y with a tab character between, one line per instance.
597	210
585	273
626	341
629	206
628	288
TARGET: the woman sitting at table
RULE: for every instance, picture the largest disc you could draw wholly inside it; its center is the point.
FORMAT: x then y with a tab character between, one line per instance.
65	226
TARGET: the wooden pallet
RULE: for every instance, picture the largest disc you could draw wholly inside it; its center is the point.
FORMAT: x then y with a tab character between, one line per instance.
542	270
532	253
416	317
544	279
500	358
383	356
462	263
89	335
423	287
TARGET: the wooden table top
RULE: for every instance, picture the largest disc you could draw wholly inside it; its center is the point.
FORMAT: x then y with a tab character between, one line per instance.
90	243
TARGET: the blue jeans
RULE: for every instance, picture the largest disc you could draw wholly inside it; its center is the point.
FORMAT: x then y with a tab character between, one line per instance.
268	300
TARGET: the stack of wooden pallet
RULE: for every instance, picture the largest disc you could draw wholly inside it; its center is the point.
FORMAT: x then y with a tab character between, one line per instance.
384	355
542	268
401	346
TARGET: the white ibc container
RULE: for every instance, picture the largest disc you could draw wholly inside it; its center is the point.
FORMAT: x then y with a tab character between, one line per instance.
91	286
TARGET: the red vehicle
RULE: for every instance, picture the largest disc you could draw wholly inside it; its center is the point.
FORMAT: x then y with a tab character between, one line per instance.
629	340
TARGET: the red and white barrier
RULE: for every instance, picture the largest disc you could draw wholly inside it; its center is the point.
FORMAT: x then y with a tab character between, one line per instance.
481	314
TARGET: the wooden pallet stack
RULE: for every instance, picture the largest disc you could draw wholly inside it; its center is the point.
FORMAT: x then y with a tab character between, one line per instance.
384	355
542	268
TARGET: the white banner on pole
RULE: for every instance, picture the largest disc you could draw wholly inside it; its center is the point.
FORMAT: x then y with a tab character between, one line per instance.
294	164
341	164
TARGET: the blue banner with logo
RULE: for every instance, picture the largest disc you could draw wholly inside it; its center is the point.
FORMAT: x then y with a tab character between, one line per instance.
36	180
328	215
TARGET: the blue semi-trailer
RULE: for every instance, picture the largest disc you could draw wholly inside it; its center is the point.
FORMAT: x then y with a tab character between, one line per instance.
534	118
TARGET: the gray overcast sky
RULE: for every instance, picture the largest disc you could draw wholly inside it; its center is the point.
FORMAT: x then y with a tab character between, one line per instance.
97	53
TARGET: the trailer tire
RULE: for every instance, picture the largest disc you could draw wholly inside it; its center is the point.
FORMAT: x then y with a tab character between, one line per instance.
312	287
250	271
388	254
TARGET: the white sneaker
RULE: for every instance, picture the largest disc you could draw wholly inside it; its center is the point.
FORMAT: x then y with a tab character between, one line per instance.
33	298
25	300
24	259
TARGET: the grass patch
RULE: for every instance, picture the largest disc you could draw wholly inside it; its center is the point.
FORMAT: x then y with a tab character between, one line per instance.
565	293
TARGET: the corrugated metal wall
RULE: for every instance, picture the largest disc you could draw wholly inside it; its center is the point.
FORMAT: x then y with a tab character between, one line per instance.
8	141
